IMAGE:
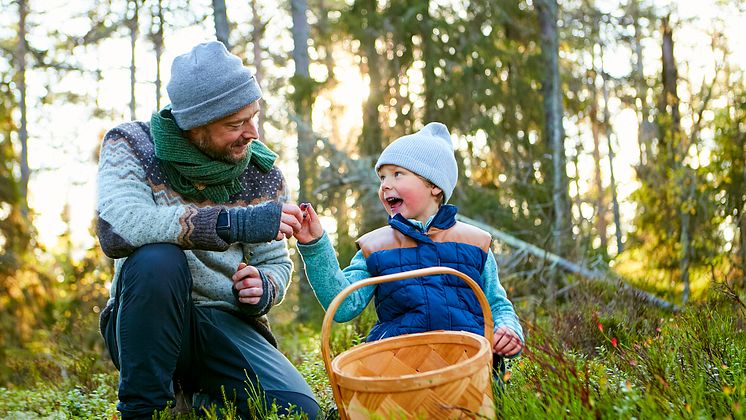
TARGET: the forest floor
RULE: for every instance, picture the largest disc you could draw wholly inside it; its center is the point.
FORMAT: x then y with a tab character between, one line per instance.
601	353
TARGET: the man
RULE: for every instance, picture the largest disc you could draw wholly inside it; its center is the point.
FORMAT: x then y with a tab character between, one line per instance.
191	208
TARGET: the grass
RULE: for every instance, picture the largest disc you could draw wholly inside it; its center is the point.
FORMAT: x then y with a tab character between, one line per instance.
599	354
65	400
692	368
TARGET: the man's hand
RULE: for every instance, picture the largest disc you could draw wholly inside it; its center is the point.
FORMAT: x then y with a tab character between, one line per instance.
256	223
505	342
248	283
290	221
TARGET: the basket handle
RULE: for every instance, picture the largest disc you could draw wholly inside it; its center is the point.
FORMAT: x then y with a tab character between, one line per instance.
337	301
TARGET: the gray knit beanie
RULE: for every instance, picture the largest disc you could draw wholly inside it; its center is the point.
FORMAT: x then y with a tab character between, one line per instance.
428	153
209	83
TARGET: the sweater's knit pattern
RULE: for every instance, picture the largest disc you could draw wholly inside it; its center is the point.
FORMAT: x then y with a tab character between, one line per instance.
128	150
136	206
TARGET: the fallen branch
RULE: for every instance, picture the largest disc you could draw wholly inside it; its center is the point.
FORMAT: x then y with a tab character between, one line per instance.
556	260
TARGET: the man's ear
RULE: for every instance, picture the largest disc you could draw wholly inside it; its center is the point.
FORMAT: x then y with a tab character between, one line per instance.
193	133
196	132
435	191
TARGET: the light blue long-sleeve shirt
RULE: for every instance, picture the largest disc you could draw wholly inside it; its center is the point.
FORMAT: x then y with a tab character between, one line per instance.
327	280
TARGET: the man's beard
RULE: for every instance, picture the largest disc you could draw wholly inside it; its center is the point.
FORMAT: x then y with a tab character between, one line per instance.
202	141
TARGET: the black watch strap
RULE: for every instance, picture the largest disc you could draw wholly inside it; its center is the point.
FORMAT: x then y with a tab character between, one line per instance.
223	225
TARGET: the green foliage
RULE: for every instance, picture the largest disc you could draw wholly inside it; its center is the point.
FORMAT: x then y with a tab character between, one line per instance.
482	69
15	234
728	167
67	399
304	93
55	324
677	226
691	365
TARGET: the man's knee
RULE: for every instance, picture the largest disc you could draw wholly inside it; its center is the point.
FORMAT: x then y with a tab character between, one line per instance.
158	270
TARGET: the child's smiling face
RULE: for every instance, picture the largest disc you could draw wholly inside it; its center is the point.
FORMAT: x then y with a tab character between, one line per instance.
404	192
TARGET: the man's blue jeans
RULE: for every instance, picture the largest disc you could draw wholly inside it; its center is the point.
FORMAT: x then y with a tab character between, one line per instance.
160	341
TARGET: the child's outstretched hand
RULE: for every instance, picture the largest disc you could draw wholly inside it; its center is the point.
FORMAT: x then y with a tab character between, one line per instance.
310	229
505	342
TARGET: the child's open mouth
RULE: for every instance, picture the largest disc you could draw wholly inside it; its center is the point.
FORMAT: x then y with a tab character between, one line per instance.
394	203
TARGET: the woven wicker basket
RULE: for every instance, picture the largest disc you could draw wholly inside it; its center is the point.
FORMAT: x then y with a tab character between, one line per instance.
432	375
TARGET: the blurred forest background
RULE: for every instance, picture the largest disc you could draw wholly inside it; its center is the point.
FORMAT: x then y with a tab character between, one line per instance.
602	143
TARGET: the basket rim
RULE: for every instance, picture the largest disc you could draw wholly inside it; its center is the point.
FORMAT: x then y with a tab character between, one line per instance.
417	380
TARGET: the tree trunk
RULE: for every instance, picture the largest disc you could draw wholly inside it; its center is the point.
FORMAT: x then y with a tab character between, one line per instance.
737	101
612	178
677	150
643	132
157	38
430	61
520	173
257	33
741	213
581	222
303	103
23	129
132	24
511	127
669	100
741	223
372	136
372	139
324	31
222	30
554	133
685	263
600	196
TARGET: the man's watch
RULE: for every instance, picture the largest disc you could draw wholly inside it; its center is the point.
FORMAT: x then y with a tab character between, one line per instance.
223	226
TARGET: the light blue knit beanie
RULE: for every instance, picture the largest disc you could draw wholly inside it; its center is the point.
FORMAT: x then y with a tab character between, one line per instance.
209	83
428	153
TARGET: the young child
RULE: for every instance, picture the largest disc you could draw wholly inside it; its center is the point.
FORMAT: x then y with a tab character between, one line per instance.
418	173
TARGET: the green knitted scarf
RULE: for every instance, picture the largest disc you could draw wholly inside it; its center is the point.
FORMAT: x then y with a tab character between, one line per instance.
194	174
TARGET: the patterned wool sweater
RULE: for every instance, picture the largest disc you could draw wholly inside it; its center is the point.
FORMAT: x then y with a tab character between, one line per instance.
136	206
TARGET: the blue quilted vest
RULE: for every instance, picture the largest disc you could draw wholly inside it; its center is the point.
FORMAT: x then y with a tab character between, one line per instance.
439	302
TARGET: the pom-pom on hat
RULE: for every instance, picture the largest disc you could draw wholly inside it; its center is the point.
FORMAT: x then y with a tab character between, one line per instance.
428	153
209	83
